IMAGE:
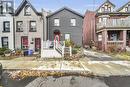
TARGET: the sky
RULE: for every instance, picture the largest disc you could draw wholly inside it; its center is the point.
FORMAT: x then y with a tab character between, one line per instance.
78	5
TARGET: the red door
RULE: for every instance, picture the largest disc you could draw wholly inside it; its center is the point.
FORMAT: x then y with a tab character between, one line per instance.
37	44
24	42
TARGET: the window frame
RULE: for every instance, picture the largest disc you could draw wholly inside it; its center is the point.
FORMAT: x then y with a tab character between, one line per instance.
56	24
4	27
19	30
25	10
69	36
74	23
3	45
31	29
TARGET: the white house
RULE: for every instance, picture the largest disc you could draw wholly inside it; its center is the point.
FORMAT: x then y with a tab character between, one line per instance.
6	25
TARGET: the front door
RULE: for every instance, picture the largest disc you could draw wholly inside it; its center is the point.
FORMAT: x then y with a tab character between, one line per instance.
128	38
37	44
24	42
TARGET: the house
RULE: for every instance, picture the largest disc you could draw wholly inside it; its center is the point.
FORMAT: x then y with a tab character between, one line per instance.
89	33
65	24
112	26
29	27
6	25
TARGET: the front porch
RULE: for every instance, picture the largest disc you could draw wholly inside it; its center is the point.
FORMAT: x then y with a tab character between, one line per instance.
118	38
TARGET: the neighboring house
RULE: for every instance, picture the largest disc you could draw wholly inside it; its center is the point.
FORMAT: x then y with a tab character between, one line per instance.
112	27
89	33
28	27
6	25
65	24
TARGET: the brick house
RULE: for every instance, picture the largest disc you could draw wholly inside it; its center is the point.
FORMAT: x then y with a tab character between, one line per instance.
112	26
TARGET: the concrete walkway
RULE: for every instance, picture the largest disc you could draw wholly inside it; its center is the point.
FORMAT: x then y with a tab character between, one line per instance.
96	56
99	68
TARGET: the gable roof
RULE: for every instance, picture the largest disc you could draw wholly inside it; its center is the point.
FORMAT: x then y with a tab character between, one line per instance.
21	6
68	9
123	6
107	1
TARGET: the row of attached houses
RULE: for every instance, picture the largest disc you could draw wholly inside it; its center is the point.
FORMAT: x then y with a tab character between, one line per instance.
107	26
26	28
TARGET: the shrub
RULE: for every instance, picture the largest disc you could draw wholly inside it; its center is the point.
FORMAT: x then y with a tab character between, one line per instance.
2	50
74	51
69	43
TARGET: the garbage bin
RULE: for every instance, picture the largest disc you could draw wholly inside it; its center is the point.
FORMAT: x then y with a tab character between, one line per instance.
30	52
26	53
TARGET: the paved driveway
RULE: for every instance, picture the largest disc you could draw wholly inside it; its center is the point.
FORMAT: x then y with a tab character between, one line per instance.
95	56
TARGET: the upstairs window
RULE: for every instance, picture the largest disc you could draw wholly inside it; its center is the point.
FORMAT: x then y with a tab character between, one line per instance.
106	8
56	22
6	26
127	9
32	26
1	9
19	26
9	7
27	10
73	22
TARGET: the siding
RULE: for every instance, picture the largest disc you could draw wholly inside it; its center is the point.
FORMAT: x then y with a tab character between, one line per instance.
65	16
10	34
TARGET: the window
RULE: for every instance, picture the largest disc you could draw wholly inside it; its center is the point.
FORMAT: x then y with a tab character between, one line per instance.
32	26
103	9
73	22
56	22
19	26
6	26
4	42
27	10
99	37
24	42
67	36
9	7
1	9
126	9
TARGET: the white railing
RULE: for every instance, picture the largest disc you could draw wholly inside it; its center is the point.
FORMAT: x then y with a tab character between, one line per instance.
60	46
55	45
114	23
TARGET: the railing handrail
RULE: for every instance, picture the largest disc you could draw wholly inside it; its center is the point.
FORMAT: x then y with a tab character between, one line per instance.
114	23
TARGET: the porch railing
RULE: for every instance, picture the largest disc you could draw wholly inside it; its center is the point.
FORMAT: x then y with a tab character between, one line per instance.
59	46
114	23
115	43
55	45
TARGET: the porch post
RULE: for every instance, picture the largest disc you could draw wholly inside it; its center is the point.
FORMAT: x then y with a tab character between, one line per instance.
104	42
124	38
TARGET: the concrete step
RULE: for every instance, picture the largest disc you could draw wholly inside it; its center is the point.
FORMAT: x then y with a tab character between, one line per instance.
50	54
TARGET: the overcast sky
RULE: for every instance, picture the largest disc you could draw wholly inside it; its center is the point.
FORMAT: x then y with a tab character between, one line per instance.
78	5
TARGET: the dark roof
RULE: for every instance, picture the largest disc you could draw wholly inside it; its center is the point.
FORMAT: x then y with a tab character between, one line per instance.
122	6
68	9
107	1
21	6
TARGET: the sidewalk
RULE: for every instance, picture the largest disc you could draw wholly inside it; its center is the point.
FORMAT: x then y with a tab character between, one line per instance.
99	68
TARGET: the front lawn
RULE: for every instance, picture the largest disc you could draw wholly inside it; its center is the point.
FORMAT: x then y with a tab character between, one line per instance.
123	55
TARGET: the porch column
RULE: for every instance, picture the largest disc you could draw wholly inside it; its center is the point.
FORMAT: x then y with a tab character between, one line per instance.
104	42
124	38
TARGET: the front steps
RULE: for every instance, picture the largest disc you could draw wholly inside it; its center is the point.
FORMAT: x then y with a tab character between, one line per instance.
50	53
128	48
